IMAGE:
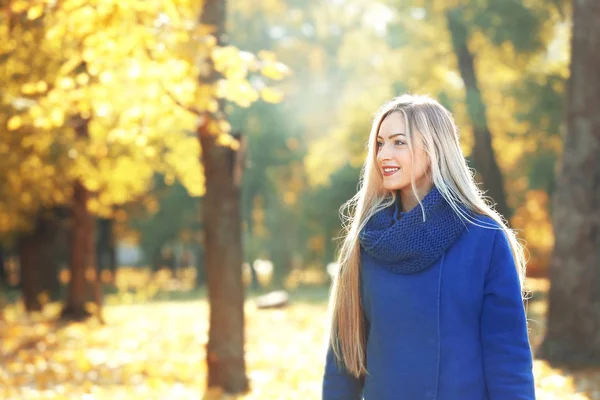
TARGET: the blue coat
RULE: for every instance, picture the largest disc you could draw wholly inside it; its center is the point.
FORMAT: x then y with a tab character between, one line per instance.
454	331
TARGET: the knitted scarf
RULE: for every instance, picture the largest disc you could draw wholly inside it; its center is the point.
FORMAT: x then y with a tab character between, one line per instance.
406	244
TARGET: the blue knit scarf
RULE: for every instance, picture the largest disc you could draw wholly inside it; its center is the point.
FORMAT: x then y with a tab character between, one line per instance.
405	243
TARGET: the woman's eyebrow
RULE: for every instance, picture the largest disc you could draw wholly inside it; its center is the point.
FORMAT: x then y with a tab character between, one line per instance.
393	135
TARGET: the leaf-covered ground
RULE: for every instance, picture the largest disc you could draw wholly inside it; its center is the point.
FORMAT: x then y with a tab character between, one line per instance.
156	350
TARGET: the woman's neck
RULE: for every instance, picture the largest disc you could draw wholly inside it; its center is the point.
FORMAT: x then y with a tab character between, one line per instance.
408	199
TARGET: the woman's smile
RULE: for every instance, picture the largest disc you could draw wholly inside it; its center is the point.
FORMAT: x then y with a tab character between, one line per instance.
388	171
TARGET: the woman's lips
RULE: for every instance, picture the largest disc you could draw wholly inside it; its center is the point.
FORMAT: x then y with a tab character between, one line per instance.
388	171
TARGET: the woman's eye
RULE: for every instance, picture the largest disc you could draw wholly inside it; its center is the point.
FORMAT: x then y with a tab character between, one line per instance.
379	144
399	143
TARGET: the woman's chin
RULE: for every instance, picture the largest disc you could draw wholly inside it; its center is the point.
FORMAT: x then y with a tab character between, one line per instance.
394	186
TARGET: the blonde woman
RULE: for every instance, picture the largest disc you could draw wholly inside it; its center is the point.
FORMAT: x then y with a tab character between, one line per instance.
427	303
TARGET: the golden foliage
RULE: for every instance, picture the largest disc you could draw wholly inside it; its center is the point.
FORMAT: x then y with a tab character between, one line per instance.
130	70
534	223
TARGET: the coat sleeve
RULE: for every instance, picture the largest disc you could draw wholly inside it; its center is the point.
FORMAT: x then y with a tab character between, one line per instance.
338	384
507	357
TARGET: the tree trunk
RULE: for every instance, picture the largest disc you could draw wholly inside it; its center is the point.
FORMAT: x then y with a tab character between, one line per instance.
81	236
112	253
3	272
223	244
105	247
483	153
223	261
30	259
53	231
3	283
82	246
573	329
39	260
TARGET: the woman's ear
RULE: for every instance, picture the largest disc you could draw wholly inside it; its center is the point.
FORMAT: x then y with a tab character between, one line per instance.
429	163
428	172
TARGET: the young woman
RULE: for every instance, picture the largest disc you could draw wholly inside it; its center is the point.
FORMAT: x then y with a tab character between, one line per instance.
427	303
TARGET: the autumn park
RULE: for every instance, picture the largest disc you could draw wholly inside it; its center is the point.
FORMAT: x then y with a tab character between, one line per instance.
171	175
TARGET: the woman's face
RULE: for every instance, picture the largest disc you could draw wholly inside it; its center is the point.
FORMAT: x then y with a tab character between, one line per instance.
394	158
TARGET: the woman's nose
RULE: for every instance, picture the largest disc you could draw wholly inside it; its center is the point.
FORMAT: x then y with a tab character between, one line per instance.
383	153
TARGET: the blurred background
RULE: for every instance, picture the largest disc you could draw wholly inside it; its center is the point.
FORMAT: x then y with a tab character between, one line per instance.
131	132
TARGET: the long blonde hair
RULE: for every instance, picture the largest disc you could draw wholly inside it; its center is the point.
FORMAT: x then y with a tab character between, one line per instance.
450	175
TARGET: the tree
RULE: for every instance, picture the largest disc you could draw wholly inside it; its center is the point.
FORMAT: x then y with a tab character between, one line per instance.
223	241
39	259
573	329
64	68
106	252
82	249
483	152
3	273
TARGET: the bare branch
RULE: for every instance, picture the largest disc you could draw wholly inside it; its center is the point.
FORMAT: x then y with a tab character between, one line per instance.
175	100
171	96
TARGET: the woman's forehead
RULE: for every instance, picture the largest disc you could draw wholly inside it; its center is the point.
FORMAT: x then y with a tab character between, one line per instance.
392	124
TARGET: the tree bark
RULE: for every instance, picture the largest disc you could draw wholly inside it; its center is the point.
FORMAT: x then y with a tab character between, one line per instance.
82	246
483	156
81	230
53	232
105	247
39	259
573	330
223	261
223	243
3	272
30	260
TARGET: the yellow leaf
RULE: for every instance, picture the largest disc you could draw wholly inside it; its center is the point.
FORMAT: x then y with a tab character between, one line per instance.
213	106
14	123
271	95
275	70
82	362
224	126
28	88
43	298
236	71
267	55
223	56
41	86
41	122
169	179
92	308
106	77
213	393
82	79
228	141
19	6
93	206
35	111
89	54
35	11
66	83
57	117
